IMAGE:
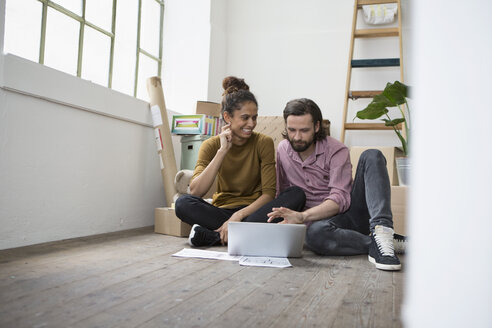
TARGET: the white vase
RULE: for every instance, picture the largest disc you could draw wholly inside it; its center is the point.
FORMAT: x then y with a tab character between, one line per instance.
403	169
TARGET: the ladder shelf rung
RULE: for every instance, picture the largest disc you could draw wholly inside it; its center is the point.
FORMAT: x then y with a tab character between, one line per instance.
376	32
369	126
382	62
363	94
361	3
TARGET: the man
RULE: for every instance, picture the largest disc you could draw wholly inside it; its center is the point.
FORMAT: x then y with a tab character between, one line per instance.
342	218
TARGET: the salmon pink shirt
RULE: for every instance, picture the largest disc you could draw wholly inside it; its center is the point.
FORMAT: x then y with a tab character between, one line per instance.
325	174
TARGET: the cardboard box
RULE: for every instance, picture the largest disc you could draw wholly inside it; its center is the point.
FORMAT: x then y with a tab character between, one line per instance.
399	208
272	126
208	108
195	124
166	222
389	152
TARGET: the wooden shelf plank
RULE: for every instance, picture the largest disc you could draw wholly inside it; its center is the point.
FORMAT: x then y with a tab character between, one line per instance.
369	126
363	94
376	32
361	3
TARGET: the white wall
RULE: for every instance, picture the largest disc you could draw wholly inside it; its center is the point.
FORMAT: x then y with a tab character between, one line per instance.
288	49
284	49
186	51
449	267
76	158
218	49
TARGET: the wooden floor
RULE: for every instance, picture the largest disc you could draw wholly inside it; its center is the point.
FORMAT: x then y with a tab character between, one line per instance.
130	279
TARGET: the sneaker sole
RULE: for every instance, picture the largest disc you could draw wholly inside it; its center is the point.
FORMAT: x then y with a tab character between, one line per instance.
192	234
386	267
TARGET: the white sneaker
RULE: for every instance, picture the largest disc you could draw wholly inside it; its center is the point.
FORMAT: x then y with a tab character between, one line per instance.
381	250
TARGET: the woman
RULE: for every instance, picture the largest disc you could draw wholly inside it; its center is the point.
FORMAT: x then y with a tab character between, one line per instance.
244	164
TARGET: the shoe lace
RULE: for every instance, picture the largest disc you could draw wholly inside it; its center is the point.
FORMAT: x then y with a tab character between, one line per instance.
384	240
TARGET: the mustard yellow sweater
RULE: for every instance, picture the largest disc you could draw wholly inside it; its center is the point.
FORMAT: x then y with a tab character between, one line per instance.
247	171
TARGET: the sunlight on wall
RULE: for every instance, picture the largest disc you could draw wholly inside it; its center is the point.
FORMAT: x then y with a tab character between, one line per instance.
23	31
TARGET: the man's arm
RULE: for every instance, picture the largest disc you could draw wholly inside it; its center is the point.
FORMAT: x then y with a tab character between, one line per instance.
326	209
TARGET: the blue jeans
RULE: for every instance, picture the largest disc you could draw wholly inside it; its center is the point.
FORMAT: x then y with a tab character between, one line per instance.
348	233
194	210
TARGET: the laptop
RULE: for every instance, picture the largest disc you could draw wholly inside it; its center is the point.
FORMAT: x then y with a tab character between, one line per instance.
265	239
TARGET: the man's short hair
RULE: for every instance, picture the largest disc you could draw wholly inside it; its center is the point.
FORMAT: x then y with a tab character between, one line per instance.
303	106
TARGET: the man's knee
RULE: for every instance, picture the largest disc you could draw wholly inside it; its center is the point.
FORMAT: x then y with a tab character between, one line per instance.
373	155
320	237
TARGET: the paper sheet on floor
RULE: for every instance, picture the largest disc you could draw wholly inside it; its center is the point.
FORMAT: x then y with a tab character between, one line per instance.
275	262
204	254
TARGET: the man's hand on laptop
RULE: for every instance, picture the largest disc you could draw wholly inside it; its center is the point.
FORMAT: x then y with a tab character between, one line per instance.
287	214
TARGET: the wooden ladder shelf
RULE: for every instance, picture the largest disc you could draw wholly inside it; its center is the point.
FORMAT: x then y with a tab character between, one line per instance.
362	63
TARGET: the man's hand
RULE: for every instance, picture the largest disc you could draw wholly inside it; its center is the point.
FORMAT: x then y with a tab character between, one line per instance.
288	215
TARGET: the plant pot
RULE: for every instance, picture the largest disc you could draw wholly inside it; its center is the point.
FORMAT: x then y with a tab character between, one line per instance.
403	169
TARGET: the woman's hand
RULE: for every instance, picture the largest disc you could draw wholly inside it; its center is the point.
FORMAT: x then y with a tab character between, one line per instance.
288	215
226	137
223	230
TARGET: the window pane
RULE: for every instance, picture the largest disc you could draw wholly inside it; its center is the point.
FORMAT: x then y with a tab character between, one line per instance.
99	13
147	68
23	28
125	47
74	6
95	58
150	25
62	42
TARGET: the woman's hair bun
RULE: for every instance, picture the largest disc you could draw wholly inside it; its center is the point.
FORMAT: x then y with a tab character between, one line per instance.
233	84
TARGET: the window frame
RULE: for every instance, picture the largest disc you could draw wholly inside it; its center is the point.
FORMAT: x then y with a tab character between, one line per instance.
111	34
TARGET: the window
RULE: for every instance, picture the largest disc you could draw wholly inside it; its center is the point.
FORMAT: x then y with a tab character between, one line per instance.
117	44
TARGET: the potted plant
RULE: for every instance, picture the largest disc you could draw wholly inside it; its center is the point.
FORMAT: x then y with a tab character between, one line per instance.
393	95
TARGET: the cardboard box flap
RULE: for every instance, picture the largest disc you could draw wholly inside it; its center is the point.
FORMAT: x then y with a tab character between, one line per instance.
208	108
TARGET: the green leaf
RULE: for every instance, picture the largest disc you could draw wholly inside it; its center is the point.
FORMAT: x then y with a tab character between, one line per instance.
381	99
372	111
394	122
395	93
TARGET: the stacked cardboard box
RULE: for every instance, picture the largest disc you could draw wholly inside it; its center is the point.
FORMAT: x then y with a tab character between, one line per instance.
166	222
399	208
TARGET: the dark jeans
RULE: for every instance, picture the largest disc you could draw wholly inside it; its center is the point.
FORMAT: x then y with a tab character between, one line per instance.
194	210
348	233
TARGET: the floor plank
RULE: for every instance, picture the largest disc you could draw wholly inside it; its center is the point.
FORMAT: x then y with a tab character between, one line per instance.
130	279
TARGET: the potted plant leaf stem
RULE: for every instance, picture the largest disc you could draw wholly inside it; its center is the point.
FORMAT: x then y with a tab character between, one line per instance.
393	95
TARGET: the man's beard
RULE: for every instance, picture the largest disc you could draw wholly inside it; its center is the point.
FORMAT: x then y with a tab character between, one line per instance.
300	146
